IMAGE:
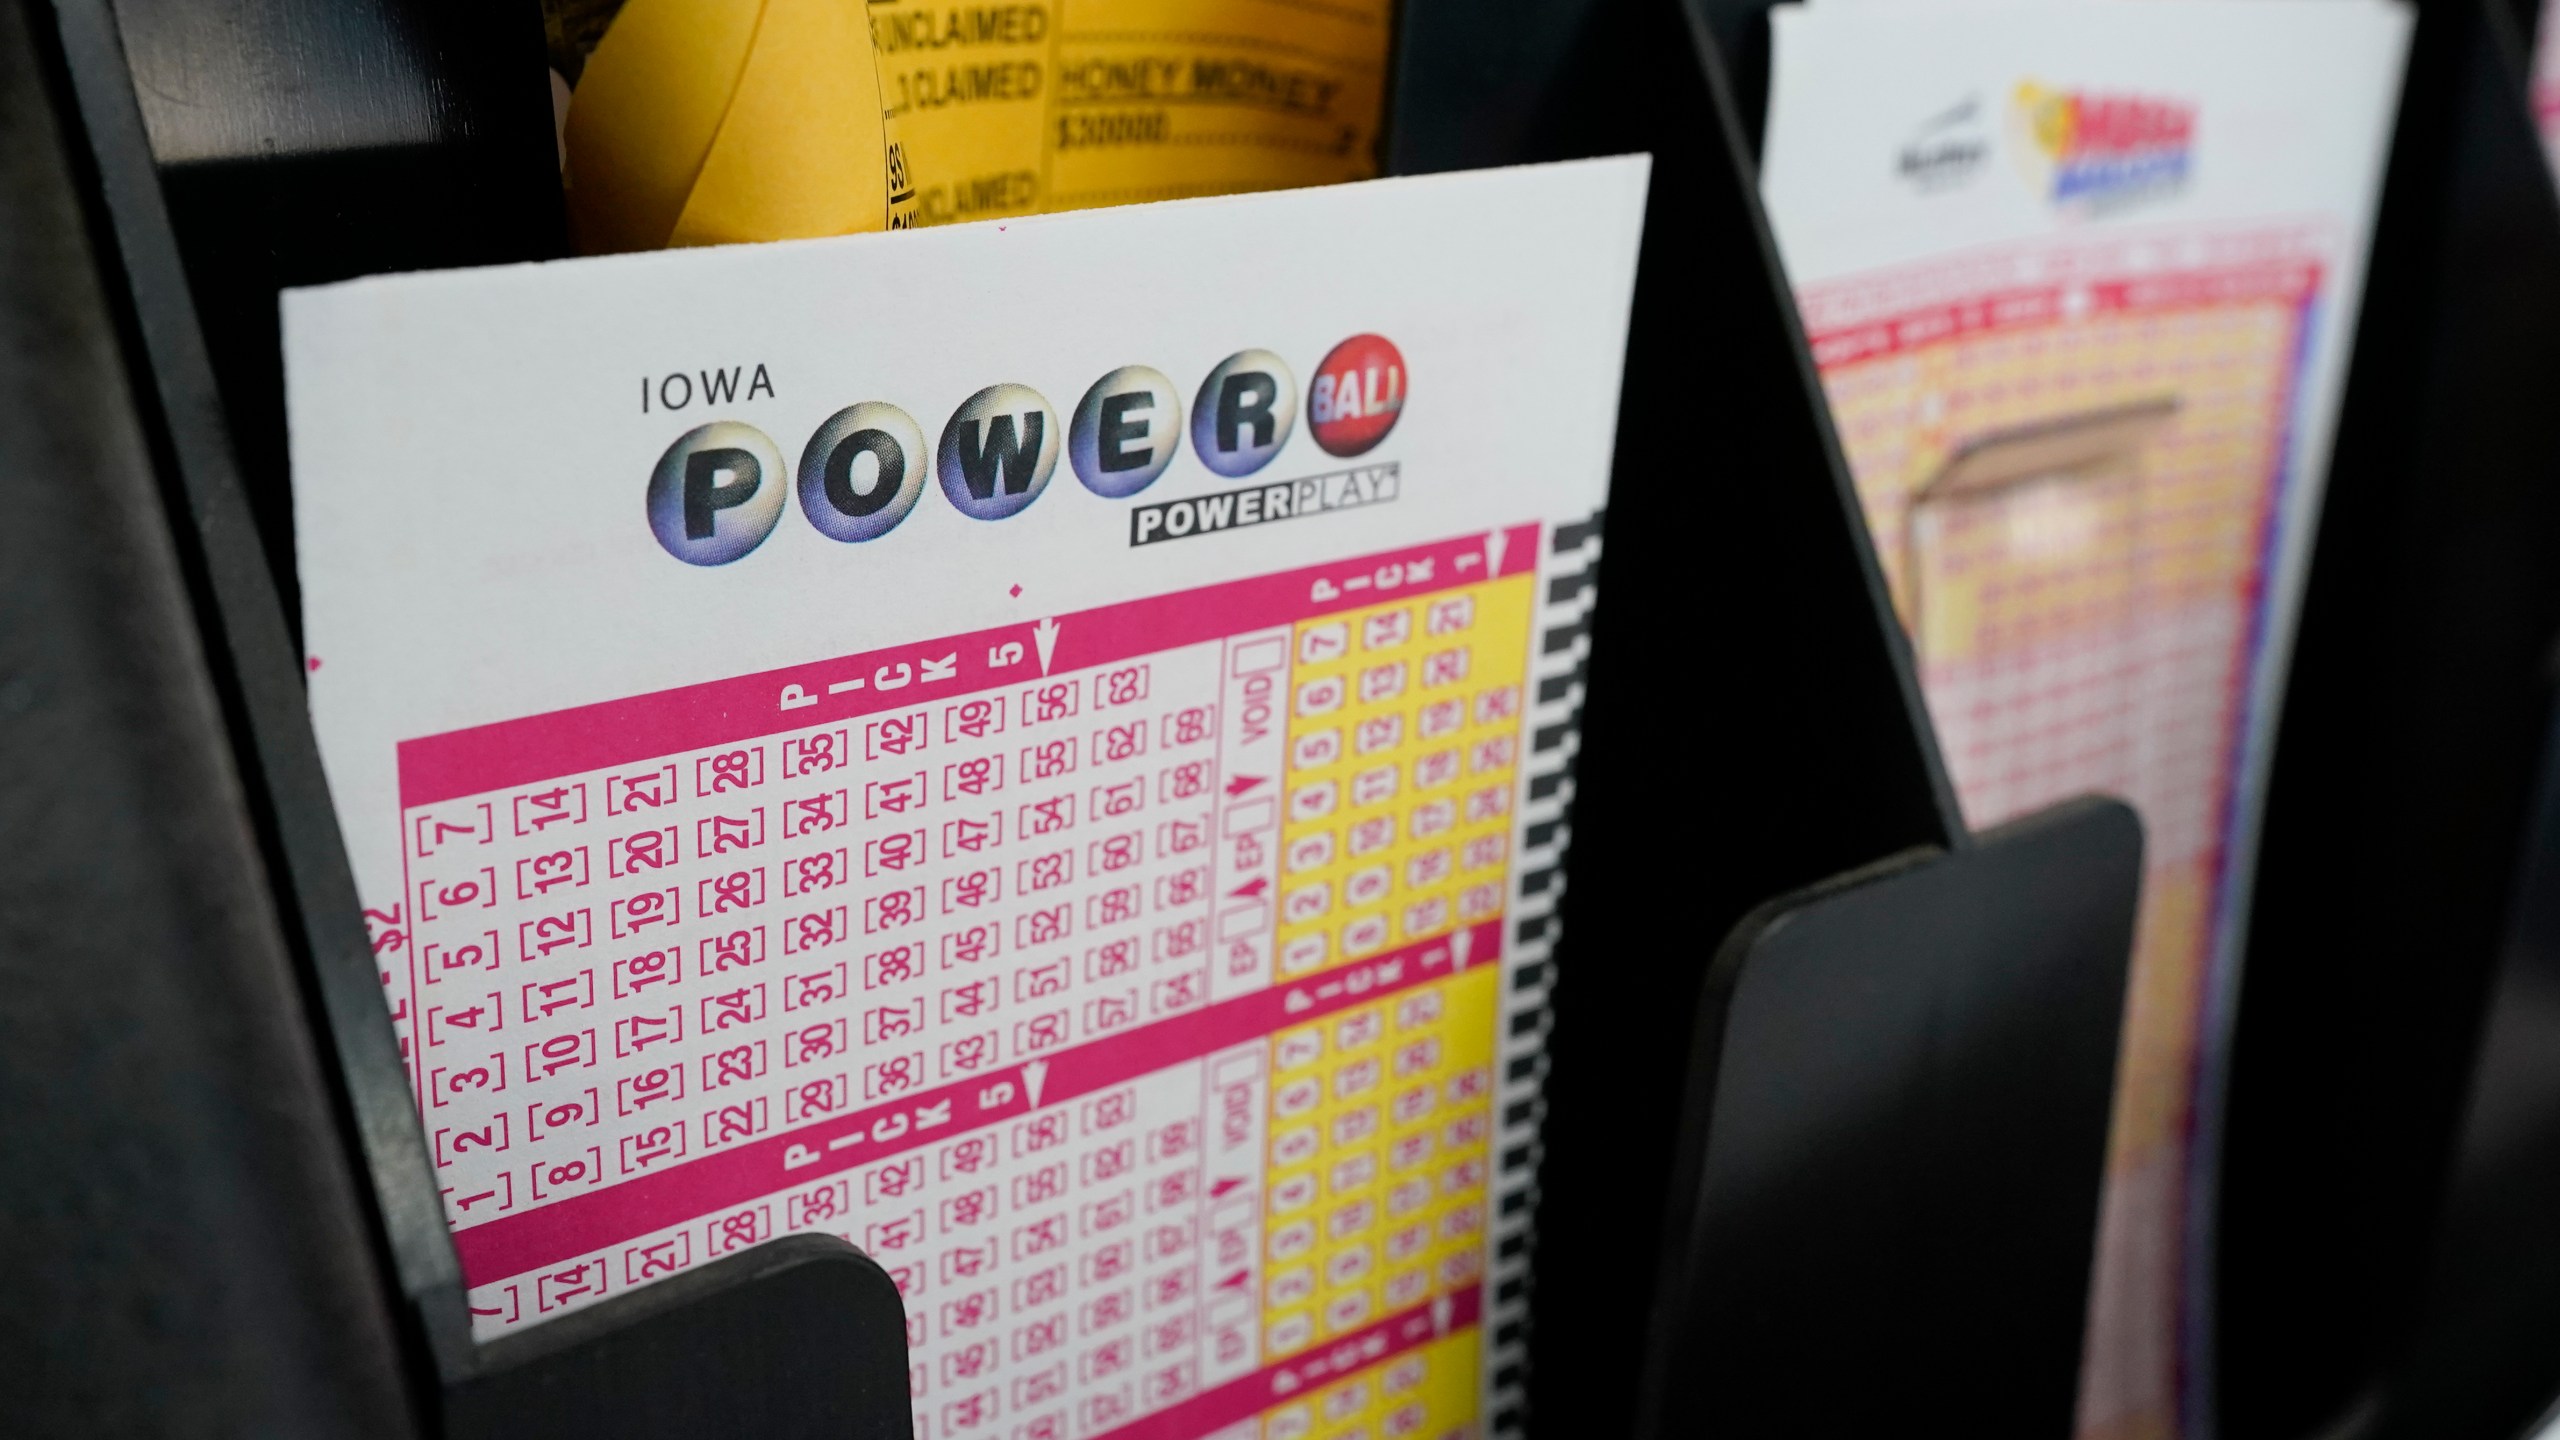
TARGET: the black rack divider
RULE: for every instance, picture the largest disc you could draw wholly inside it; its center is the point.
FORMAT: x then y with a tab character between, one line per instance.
300	142
1896	1134
1738	574
799	1336
183	1243
2480	1358
2413	731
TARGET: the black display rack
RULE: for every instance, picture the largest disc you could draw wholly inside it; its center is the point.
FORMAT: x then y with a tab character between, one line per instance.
237	1221
2373	1250
2351	1294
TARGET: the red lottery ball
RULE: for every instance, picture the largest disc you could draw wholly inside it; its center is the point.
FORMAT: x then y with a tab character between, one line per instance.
1357	394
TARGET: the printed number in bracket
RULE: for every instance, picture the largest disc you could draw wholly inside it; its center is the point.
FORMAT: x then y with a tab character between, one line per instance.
729	771
445	830
814	754
640	790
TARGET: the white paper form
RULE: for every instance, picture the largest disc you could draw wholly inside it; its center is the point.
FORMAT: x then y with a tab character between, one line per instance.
1036	747
2079	278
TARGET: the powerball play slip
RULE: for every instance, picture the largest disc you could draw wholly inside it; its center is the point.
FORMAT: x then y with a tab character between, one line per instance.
1039	748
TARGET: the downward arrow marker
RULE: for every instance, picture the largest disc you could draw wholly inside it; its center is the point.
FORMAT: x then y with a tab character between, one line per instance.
1045	634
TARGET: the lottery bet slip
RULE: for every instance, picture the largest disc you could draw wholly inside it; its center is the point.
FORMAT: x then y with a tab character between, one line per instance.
2080	282
1037	747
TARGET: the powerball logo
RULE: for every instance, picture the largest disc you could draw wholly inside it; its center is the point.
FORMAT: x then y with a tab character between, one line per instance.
724	485
2091	152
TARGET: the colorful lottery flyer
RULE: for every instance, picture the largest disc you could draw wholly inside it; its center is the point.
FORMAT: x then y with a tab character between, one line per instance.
2079	280
1038	748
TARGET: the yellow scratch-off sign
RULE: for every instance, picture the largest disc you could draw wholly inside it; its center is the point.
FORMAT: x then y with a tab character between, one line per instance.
704	122
712	121
1062	104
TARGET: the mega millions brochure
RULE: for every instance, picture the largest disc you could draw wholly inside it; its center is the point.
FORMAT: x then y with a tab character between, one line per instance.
2079	280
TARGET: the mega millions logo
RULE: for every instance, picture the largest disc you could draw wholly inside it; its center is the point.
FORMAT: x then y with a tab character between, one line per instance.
721	488
2087	151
